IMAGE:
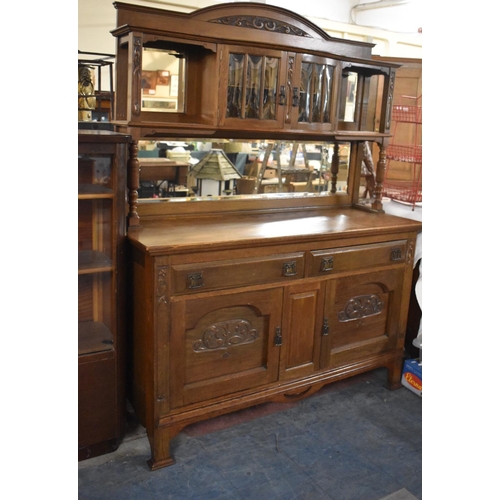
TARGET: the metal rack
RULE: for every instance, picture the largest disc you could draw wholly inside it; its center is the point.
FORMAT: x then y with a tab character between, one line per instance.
104	98
409	191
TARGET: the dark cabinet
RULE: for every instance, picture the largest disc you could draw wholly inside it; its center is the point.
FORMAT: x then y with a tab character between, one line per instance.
102	158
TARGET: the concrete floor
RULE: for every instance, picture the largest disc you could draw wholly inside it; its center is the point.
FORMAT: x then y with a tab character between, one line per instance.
353	440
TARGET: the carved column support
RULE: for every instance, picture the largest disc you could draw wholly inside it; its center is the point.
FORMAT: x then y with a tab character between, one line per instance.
133	184
379	178
136	75
335	167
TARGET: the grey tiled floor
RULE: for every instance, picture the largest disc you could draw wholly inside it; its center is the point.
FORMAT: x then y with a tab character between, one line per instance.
353	440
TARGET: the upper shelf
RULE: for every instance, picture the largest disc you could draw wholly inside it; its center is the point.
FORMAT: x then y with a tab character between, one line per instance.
245	70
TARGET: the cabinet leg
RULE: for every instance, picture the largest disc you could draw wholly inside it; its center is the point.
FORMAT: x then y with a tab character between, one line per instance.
160	448
394	372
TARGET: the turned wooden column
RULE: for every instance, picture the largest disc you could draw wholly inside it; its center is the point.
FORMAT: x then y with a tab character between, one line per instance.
133	185
335	167
380	177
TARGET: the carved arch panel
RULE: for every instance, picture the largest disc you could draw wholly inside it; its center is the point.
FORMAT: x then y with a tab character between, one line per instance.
363	312
223	344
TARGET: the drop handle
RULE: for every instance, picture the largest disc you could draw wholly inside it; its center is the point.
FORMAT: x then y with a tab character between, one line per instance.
195	280
326	264
282	96
396	254
295	97
278	339
326	327
290	268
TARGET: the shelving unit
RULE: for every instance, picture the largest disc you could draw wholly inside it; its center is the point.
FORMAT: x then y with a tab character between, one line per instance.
409	191
103	63
102	157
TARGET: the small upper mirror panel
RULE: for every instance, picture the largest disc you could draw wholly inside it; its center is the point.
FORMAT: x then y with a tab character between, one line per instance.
349	87
162	82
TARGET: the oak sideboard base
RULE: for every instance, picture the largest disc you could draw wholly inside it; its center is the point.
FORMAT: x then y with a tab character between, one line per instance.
260	316
394	375
163	434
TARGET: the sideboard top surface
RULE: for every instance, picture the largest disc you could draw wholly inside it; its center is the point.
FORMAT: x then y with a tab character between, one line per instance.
244	230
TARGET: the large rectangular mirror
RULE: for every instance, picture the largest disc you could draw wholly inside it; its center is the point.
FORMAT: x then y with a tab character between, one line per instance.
217	169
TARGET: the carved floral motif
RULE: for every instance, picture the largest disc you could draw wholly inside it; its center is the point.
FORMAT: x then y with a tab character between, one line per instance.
226	334
361	307
261	23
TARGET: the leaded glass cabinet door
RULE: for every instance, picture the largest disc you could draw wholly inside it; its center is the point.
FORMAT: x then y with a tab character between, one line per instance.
314	93
254	95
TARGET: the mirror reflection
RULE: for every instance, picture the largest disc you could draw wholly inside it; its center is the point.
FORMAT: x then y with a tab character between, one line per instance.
229	168
350	84
162	81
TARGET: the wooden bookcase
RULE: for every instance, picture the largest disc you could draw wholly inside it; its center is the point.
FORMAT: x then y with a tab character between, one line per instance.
102	159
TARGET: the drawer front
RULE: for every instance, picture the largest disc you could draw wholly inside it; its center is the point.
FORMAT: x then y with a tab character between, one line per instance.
338	260
238	272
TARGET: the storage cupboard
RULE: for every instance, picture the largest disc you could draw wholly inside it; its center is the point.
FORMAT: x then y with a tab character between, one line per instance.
261	318
244	299
102	159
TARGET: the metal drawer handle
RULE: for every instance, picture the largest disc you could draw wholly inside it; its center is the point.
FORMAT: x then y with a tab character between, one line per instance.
327	264
396	254
195	280
289	268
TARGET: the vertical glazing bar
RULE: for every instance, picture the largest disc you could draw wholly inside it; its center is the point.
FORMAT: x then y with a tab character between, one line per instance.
270	88
316	101
305	92
235	86
253	81
262	88
327	100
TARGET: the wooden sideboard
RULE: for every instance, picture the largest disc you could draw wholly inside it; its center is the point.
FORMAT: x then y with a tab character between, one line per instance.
239	310
244	299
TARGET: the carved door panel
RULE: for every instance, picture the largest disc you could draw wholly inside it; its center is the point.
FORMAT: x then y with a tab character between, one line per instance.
224	344
362	314
302	329
252	89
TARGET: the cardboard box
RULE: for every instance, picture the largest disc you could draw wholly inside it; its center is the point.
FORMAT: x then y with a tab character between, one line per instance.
412	376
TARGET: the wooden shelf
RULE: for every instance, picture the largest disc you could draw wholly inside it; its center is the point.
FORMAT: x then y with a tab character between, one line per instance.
94	191
93	261
93	337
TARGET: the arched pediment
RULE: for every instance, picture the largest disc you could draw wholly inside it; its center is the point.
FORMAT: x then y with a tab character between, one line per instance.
259	16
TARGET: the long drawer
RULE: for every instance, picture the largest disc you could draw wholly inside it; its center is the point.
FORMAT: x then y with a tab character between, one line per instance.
336	260
237	272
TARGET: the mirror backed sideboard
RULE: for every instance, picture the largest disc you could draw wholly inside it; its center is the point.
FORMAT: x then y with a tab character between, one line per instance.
238	298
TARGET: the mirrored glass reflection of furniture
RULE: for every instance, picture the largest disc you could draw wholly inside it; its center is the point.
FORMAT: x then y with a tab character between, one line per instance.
241	298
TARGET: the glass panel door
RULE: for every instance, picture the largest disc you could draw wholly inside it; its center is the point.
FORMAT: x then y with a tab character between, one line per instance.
316	91
252	86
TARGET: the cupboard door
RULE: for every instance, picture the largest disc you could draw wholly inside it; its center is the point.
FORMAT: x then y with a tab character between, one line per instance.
314	93
224	344
302	328
362	312
252	92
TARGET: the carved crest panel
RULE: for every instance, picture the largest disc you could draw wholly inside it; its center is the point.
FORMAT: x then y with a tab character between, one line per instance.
225	334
